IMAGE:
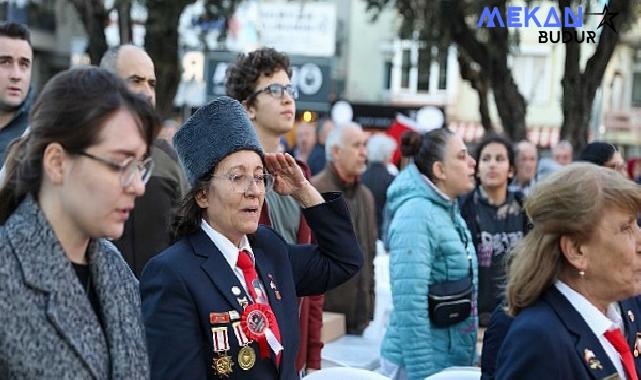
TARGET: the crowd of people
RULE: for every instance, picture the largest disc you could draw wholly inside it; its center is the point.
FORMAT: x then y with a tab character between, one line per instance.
132	248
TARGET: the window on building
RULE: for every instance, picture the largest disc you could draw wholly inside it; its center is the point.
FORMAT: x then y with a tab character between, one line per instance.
636	89
406	69
424	63
387	75
417	69
531	73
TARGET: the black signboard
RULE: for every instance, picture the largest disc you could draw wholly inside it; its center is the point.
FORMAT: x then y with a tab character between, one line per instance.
311	75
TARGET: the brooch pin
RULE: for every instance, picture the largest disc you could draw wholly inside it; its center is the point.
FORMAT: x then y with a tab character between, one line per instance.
591	359
272	285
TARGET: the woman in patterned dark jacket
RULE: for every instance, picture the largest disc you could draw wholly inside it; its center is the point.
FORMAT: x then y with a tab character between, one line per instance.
69	304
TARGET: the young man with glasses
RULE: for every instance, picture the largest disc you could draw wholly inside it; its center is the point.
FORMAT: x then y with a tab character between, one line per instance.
261	81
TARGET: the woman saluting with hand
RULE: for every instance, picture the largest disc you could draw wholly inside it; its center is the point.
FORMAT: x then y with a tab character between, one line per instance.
221	302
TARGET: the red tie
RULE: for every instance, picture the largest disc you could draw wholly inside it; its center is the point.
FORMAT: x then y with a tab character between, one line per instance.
246	264
615	337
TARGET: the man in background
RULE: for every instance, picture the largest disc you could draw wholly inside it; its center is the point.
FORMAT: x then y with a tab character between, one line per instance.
305	141
16	60
346	162
526	163
147	231
562	152
316	160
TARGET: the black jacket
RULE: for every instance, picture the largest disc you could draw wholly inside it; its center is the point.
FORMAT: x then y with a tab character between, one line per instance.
495	231
378	179
146	231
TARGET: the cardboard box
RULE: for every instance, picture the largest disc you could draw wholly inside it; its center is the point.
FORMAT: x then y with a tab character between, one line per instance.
333	326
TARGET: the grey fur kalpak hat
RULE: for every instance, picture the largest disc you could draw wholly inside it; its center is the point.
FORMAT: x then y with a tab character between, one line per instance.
213	132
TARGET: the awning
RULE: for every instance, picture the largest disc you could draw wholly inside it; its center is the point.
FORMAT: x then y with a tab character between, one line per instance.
472	132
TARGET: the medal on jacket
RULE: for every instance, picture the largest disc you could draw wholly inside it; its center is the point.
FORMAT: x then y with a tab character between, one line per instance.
246	358
591	359
222	363
637	345
246	355
255	322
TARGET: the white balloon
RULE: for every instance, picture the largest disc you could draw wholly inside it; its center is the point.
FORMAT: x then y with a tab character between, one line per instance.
342	112
428	118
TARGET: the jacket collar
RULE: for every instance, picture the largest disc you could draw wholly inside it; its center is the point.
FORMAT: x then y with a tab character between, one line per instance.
587	345
45	267
348	188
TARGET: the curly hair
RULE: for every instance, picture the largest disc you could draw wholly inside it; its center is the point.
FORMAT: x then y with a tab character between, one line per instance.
243	74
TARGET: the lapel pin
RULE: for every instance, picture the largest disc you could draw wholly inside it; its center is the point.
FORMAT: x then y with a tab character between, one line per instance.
272	285
631	315
242	301
233	315
591	359
235	290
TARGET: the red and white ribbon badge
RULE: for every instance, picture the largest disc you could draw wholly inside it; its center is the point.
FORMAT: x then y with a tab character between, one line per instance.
256	321
219	338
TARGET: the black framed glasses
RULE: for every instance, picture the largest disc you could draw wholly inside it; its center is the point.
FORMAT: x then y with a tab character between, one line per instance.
277	91
240	183
128	169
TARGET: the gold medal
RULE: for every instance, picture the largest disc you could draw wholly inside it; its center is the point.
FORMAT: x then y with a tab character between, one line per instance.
246	357
222	365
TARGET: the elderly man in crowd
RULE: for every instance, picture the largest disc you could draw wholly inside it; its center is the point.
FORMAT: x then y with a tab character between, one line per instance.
346	161
377	177
147	229
562	152
526	163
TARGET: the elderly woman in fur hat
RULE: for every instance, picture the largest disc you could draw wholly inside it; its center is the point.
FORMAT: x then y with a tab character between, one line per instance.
221	302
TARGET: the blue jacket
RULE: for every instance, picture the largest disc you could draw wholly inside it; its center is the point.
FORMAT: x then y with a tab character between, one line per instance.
191	279
550	340
426	246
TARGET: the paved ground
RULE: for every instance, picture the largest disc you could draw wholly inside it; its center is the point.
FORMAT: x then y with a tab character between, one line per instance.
351	351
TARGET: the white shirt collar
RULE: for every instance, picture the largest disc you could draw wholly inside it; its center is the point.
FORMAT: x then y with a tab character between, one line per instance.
597	322
226	247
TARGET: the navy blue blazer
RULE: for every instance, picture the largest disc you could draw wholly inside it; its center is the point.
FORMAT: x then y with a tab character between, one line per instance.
550	340
182	285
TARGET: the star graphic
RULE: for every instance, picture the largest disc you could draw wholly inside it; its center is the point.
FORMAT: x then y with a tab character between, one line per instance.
607	17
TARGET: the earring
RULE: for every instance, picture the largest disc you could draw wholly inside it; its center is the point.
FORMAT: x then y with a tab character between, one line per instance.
581	273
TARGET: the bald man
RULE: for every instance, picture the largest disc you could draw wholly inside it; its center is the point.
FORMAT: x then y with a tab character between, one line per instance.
147	229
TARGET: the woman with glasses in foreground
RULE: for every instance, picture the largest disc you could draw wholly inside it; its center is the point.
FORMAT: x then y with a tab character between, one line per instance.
222	301
69	304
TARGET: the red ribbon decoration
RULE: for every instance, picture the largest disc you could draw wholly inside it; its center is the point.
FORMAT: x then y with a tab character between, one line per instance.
255	319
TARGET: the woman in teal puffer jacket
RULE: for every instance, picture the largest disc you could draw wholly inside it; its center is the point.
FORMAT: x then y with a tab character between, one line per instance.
429	243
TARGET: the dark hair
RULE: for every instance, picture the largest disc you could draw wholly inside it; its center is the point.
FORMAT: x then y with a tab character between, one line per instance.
410	143
189	213
597	152
245	72
494	139
71	110
433	146
15	30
